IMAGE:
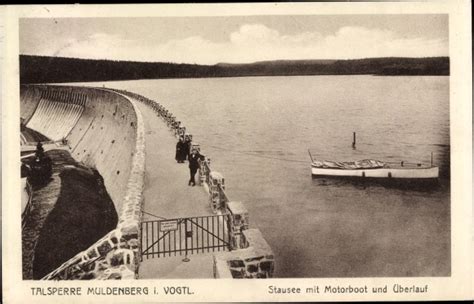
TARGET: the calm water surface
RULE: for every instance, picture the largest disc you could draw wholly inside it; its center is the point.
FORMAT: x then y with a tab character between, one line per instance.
257	130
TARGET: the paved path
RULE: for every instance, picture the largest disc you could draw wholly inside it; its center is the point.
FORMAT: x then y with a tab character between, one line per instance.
168	195
199	267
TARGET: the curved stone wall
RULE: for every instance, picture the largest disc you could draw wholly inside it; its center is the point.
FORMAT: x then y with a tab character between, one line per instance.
116	255
109	136
104	136
250	255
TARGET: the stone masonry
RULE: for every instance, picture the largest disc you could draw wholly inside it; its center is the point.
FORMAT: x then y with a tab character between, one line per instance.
255	260
116	255
250	255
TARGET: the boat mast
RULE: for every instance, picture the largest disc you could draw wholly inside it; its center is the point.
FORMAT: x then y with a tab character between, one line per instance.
310	156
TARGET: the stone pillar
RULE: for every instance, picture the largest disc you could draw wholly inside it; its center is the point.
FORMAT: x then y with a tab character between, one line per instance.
239	221
221	268
216	181
254	262
204	172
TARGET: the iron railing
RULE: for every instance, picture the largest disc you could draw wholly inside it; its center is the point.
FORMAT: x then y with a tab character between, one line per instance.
172	237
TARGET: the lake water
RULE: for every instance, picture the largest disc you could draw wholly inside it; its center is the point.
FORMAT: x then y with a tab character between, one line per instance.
257	130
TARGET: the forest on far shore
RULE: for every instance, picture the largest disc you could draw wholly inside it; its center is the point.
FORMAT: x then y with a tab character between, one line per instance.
43	69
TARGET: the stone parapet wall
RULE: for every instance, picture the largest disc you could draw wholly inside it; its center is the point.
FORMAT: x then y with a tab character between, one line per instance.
250	255
239	224
116	255
256	260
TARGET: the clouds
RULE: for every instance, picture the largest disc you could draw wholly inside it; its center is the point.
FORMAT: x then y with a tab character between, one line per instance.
255	42
254	34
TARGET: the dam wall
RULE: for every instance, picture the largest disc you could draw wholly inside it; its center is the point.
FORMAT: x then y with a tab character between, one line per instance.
103	137
250	255
107	135
29	98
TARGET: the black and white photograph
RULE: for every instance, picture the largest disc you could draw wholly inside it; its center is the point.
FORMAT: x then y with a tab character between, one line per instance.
267	145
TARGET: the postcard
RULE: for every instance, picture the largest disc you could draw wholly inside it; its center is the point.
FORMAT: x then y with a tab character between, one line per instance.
237	152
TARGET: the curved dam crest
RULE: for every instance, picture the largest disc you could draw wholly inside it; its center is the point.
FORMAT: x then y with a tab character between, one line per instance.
108	136
103	129
104	136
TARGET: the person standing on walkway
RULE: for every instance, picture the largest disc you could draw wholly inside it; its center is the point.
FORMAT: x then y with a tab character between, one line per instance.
193	159
39	153
188	144
180	155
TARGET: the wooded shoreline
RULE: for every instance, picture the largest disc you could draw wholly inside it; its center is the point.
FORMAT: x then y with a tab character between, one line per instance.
42	69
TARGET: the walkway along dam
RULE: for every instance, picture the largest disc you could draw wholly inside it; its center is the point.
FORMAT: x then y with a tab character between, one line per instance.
118	189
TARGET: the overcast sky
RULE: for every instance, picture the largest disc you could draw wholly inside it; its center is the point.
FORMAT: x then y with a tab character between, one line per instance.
209	40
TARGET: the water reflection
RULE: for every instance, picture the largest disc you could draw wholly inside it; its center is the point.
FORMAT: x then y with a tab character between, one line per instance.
427	186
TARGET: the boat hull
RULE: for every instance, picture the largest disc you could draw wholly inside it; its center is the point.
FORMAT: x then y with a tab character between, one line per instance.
390	173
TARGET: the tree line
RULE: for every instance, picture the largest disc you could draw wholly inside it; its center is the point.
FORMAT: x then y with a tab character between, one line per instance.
44	69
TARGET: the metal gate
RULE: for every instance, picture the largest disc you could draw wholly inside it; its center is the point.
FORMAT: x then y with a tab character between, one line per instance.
180	236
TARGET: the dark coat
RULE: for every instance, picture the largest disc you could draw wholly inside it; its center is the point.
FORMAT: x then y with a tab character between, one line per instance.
181	151
187	147
194	161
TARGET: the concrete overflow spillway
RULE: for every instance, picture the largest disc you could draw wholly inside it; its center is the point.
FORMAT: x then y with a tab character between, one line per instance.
104	129
105	134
